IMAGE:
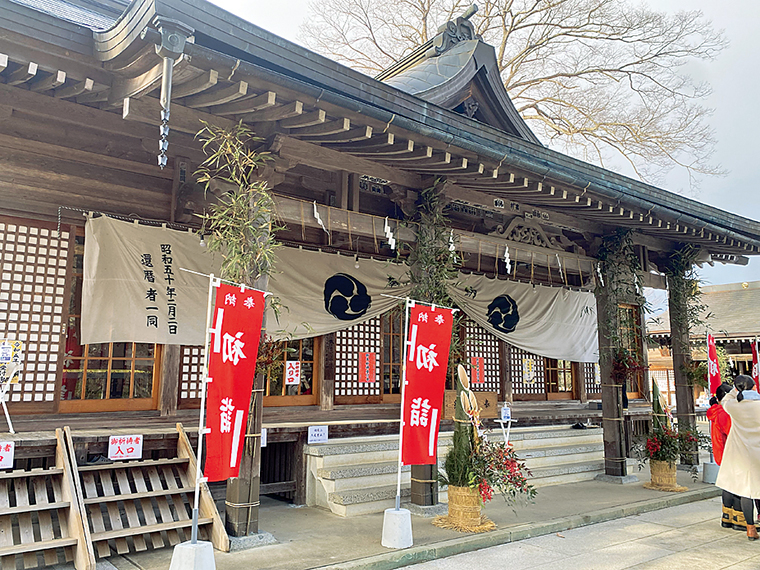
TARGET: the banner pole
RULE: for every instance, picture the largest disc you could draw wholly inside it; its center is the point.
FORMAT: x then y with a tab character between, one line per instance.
201	422
403	391
3	392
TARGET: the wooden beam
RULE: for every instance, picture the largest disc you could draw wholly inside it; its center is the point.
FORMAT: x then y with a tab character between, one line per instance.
44	149
148	110
22	74
351	135
51	82
95	96
378	151
327	159
217	97
197	85
415	155
249	105
278	113
329	128
306	120
84	86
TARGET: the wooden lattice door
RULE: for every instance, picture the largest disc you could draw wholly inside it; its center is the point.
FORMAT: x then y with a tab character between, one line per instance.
32	304
482	344
349	343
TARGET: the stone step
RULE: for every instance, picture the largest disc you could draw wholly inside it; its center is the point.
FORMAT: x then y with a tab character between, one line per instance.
366	470
561	455
352	451
541	475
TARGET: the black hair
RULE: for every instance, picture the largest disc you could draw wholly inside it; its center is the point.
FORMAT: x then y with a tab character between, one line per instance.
743	382
722	390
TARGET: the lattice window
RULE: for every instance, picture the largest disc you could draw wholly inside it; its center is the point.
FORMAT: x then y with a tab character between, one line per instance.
559	376
32	293
191	373
364	337
480	343
592	378
524	380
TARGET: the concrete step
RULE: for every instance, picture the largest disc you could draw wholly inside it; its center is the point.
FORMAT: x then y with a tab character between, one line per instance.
561	455
364	501
367	470
355	476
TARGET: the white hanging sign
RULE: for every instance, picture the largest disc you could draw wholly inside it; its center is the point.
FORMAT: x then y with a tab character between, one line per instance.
125	447
7	450
292	373
506	413
263	437
529	371
597	374
317	434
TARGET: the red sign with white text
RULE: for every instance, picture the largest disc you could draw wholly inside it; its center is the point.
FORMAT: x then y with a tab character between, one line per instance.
233	349
427	357
713	368
755	365
367	367
477	370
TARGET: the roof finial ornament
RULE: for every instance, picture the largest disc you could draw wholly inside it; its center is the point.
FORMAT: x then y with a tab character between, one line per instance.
454	31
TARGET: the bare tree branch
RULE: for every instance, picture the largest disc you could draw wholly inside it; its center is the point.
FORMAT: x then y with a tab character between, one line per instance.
594	78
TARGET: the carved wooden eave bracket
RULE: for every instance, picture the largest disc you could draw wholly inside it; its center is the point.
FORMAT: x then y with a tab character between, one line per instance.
521	230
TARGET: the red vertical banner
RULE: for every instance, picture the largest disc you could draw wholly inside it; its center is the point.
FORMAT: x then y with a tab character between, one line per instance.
427	357
713	368
233	349
755	365
367	362
477	370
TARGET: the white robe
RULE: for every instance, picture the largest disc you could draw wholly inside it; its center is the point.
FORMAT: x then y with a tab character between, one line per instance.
740	470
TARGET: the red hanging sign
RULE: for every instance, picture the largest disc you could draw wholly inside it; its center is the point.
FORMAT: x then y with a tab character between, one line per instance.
367	367
477	370
427	357
233	349
713	368
755	365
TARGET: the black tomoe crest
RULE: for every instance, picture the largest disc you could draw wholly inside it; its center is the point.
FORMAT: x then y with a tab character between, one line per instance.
346	297
502	314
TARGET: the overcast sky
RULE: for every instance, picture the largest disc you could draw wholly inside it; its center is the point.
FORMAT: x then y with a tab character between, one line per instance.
734	78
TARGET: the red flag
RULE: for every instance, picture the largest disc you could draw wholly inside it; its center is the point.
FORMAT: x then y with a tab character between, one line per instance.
427	357
477	370
755	365
713	368
233	349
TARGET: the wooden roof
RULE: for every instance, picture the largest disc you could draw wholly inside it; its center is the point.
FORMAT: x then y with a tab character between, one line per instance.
730	312
328	116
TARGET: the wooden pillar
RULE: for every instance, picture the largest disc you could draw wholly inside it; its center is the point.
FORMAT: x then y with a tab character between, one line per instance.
425	485
327	372
505	376
579	380
612	398
681	351
344	191
354	188
171	355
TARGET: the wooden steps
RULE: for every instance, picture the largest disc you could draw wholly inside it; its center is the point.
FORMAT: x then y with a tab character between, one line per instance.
132	506
42	507
70	513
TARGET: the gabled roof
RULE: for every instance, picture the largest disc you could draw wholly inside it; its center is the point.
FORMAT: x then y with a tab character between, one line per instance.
458	71
730	314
